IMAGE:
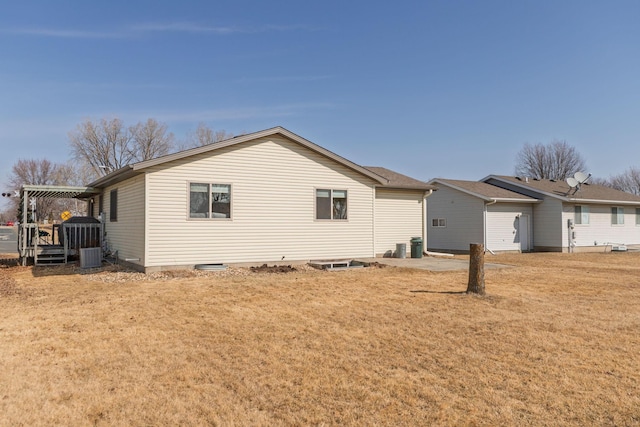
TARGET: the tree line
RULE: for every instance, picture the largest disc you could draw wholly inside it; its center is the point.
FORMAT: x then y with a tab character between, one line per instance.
558	160
106	145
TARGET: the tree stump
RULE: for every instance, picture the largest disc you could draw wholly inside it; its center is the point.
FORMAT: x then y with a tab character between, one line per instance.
476	269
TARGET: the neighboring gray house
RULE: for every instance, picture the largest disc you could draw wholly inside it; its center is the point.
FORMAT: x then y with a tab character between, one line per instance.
519	214
261	197
464	212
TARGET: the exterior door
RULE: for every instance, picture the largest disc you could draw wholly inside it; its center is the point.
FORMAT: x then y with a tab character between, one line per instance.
523	231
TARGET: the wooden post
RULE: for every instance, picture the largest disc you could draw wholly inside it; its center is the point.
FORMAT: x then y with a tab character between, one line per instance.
476	269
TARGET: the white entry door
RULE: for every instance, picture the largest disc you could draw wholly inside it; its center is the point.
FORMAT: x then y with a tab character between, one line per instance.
523	225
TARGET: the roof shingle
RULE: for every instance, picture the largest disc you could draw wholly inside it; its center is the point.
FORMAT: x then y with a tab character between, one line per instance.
561	189
484	190
397	180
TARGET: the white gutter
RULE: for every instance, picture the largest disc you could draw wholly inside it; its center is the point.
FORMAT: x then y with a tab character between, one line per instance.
424	219
484	225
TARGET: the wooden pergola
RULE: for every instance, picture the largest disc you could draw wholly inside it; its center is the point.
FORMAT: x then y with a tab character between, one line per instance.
73	237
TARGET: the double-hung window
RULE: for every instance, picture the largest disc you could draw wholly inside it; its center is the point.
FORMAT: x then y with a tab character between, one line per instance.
439	222
581	215
209	200
637	216
617	216
331	204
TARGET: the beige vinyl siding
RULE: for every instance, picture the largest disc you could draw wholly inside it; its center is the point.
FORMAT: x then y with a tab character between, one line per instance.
549	228
398	218
503	223
273	182
599	230
127	234
464	215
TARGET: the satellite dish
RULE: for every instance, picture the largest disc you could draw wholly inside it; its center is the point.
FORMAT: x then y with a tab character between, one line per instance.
582	177
572	182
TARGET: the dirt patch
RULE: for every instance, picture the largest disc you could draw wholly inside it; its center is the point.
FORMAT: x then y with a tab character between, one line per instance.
264	268
376	264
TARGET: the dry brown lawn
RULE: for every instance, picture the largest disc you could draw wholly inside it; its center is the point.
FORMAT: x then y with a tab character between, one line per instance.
555	342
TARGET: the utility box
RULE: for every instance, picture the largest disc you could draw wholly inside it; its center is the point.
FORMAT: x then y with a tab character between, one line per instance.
90	257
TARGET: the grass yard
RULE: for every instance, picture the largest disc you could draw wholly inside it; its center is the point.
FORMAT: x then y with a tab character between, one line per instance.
556	341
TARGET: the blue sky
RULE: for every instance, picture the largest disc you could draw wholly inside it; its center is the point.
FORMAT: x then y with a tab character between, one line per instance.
447	89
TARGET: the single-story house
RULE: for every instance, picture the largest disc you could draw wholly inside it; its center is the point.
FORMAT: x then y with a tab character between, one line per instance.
261	197
508	213
464	212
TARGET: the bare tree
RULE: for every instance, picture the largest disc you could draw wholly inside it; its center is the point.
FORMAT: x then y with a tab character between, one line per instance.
556	160
105	145
628	181
38	172
204	135
108	145
150	140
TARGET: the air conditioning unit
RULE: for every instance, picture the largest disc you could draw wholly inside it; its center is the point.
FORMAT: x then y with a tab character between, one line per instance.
90	257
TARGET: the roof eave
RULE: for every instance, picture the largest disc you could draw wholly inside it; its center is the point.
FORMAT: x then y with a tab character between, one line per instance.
115	177
507	200
603	202
137	168
408	187
463	190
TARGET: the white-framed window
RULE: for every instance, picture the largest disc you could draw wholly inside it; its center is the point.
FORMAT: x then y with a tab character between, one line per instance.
617	216
209	200
439	222
331	204
113	205
581	215
637	216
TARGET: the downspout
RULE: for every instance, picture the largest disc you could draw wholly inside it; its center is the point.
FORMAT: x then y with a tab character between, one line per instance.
484	226
373	225
424	219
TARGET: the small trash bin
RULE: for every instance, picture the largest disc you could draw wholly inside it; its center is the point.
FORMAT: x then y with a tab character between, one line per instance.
416	247
401	250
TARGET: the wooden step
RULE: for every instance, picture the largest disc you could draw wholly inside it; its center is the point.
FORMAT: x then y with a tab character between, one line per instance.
48	259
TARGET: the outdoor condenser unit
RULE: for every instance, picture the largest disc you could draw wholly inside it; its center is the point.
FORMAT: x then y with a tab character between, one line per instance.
90	257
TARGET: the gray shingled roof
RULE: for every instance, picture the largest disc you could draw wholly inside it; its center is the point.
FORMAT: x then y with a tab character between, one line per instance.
562	190
397	180
134	169
483	190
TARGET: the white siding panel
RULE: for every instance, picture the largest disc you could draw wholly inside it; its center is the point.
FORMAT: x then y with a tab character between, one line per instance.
549	230
600	231
398	218
464	216
126	235
503	225
273	182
